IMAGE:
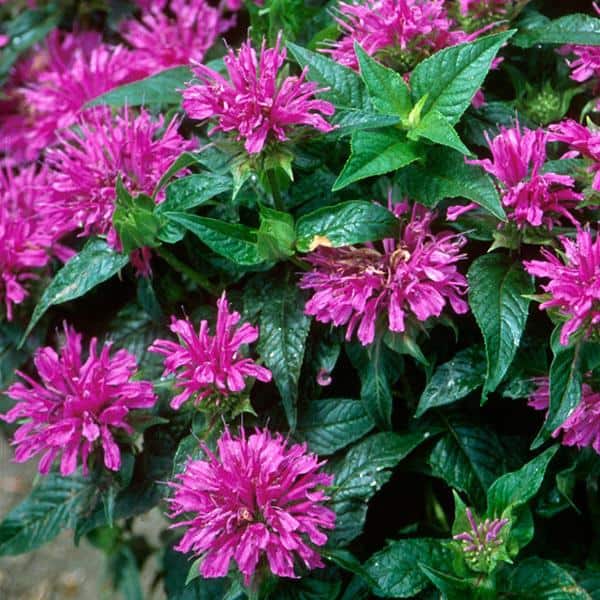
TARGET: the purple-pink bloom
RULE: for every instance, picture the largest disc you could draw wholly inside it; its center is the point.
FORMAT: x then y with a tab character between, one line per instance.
28	238
582	142
78	406
574	282
90	159
161	41
533	197
206	365
482	535
582	426
253	103
413	277
257	497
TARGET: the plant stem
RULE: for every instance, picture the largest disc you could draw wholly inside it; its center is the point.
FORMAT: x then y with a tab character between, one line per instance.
186	270
274	185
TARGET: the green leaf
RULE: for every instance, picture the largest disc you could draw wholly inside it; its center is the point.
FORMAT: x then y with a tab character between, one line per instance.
452	76
11	357
436	128
360	474
236	242
96	263
350	120
53	505
346	90
161	88
539	579
387	89
570	29
376	153
276	234
125	574
344	224
283	331
497	290
518	487
393	568
446	175
332	423
454	380
307	588
194	190
452	587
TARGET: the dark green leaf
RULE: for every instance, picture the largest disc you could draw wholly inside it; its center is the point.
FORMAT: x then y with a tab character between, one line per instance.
193	190
308	588
96	263
345	224
570	29
350	120
451	77
436	128
125	574
497	286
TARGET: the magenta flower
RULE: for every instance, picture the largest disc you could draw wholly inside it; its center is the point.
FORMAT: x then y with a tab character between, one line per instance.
574	282
259	498
582	142
204	364
532	197
582	426
78	407
90	159
586	64
253	103
28	239
161	41
414	277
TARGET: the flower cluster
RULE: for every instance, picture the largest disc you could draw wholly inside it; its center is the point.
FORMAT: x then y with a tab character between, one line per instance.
574	282
414	277
207	365
254	103
259	497
79	405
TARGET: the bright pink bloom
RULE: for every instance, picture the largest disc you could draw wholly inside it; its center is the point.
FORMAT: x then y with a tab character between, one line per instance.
582	142
161	41
28	239
254	103
582	426
574	284
78	407
533	197
414	277
586	65
90	159
259	497
204	364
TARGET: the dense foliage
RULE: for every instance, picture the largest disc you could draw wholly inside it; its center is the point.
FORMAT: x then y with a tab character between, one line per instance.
321	281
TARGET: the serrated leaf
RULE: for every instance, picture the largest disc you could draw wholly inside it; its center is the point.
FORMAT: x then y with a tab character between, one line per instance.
497	289
161	88
376	153
192	191
283	331
454	380
436	128
446	175
350	120
53	505
360	474
452	76
387	89
346	90
518	487
96	263
332	423
344	224
393	568
570	29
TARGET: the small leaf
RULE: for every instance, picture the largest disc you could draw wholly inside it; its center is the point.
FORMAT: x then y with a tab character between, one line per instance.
135	221
276	235
192	191
96	263
344	224
436	128
497	290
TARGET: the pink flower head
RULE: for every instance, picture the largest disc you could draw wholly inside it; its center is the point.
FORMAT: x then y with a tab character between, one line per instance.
258	498
90	159
574	282
414	277
27	236
253	103
582	426
78	406
204	364
161	41
582	142
533	197
482	535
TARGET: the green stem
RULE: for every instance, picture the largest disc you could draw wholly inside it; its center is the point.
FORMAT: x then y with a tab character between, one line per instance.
186	270
274	185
